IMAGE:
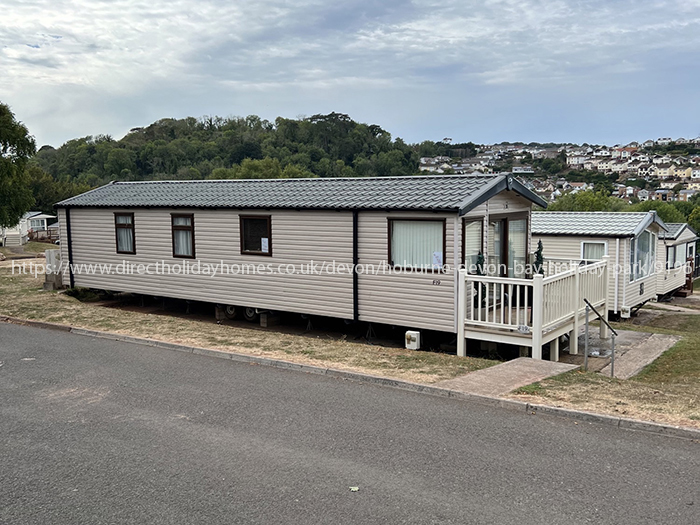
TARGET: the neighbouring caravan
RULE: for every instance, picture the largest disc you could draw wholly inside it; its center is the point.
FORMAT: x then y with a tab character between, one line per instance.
380	250
629	239
675	257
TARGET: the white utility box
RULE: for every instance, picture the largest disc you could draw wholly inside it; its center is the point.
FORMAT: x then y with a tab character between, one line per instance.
412	340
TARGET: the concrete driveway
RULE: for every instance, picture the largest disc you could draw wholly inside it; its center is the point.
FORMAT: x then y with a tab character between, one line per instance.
94	431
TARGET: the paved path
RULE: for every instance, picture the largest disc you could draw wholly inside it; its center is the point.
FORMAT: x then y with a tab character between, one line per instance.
506	377
98	431
674	308
635	359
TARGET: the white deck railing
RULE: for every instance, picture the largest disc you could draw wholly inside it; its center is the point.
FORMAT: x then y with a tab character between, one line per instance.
529	312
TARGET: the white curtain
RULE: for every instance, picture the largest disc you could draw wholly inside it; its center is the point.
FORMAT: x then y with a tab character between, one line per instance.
593	251
472	243
417	244
183	242
125	239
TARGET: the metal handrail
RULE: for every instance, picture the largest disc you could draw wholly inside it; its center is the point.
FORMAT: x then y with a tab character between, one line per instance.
614	334
600	316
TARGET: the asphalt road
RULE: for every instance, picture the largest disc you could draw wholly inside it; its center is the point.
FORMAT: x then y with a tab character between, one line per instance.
96	432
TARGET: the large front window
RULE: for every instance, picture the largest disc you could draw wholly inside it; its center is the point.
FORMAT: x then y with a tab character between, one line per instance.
417	244
642	255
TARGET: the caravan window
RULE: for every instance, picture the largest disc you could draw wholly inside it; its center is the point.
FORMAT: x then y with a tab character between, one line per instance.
593	251
256	234
124	226
183	236
670	257
416	243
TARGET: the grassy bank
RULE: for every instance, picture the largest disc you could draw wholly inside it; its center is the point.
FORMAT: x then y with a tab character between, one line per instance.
22	296
668	390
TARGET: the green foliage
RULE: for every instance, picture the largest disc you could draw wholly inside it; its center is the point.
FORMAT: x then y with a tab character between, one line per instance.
330	145
667	212
16	147
588	201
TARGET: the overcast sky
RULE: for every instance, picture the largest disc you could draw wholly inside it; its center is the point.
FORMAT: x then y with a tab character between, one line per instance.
600	71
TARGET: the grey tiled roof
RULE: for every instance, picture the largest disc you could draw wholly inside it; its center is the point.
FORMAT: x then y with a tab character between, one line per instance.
674	230
594	223
443	192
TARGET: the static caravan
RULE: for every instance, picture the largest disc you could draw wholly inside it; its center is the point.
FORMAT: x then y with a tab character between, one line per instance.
630	240
378	250
674	256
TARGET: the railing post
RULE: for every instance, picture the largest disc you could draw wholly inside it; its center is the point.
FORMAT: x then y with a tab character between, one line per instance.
461	313
537	313
576	299
606	280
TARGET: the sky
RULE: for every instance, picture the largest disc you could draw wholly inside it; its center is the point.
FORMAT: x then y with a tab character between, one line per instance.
596	71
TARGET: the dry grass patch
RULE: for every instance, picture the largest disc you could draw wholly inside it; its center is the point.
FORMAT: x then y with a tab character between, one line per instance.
666	391
22	296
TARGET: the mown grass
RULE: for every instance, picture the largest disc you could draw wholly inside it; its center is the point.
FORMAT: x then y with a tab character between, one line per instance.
22	296
667	390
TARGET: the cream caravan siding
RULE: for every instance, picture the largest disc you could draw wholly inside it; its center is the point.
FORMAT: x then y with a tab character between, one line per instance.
568	247
63	235
417	299
670	280
412	298
298	237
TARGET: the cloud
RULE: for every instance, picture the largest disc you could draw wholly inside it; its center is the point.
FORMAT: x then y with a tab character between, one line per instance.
127	59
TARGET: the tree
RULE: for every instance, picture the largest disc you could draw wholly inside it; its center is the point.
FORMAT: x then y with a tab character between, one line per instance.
16	147
667	212
587	201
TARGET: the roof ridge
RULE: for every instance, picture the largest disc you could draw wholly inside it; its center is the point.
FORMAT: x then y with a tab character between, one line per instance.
393	177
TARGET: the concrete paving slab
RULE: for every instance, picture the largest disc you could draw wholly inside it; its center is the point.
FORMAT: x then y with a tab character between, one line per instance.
635	359
506	377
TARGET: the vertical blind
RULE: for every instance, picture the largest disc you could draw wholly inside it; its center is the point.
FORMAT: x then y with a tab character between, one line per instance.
417	244
517	247
472	243
495	247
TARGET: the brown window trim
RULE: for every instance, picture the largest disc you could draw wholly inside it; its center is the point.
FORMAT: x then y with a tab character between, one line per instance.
190	228
464	237
390	259
241	220
118	226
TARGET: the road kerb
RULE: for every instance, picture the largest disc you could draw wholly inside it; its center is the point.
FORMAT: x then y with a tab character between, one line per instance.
497	402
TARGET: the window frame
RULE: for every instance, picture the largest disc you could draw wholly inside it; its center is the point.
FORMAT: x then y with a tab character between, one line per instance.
390	231
241	230
583	243
118	226
190	228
